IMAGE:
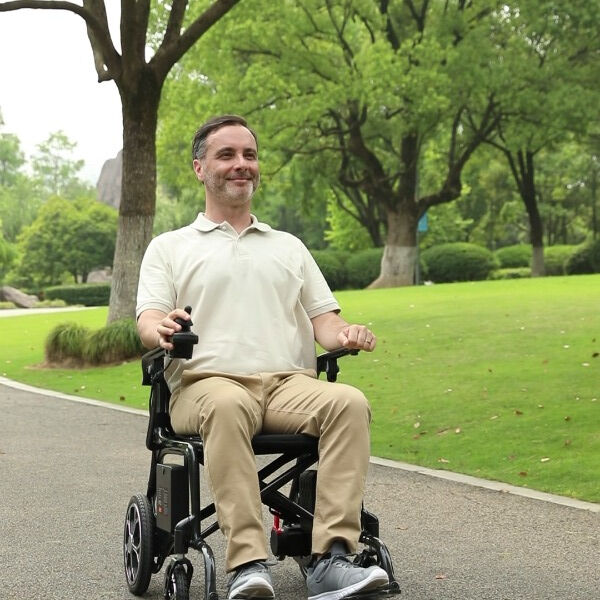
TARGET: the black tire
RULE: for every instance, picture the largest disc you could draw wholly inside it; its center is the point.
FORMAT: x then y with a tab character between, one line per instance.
138	544
178	585
306	498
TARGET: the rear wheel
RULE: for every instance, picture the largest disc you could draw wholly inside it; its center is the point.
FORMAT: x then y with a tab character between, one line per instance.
138	544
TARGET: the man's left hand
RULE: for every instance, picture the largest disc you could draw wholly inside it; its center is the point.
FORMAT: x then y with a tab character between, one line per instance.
357	337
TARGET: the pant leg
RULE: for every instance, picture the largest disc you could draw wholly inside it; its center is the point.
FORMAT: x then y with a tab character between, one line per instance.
227	415
340	415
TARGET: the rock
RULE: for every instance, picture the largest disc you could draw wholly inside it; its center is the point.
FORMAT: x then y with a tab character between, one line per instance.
18	298
109	182
100	275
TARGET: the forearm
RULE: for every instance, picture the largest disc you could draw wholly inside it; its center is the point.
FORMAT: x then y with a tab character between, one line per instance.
147	326
332	332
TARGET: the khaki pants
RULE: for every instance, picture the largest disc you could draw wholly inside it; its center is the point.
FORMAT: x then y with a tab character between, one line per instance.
228	410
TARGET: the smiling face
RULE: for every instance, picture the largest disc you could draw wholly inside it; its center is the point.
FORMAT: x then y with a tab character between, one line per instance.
229	168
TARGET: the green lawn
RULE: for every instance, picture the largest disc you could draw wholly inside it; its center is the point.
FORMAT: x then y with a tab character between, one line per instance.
496	379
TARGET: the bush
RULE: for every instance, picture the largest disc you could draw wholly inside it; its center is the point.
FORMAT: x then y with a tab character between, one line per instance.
512	257
88	294
6	305
66	342
74	344
50	304
332	266
586	259
458	261
116	342
519	273
556	257
363	267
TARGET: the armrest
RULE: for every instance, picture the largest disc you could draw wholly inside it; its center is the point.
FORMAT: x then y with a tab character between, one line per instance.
327	362
151	362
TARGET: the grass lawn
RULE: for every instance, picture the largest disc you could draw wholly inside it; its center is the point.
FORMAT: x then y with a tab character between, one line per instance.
497	379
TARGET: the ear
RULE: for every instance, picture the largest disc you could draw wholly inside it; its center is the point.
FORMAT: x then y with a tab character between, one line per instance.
198	169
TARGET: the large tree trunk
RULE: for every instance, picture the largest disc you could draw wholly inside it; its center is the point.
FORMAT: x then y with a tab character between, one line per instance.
536	228
400	250
138	194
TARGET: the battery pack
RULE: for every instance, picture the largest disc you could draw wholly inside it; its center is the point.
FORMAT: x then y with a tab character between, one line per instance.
172	497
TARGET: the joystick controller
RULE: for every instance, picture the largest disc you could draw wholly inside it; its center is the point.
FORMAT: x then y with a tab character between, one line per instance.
184	340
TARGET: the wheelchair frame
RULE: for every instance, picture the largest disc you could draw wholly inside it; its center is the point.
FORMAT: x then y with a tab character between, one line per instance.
148	542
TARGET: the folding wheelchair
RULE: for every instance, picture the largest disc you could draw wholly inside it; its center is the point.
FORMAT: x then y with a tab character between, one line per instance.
163	524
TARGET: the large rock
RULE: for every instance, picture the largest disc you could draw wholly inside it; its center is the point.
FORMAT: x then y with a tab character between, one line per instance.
109	182
18	298
100	275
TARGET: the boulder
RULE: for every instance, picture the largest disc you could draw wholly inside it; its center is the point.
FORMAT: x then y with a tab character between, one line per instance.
109	182
18	298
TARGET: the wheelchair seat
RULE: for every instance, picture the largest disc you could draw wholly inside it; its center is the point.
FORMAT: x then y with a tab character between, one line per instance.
166	521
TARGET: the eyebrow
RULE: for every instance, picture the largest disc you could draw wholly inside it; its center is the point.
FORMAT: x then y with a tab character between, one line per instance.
226	149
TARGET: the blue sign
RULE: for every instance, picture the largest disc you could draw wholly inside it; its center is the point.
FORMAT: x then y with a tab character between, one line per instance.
422	225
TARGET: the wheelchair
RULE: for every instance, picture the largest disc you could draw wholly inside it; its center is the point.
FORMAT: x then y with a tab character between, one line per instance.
165	522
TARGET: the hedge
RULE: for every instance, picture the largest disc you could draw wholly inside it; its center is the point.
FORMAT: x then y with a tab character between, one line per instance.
364	267
514	257
556	257
458	261
586	259
332	265
88	294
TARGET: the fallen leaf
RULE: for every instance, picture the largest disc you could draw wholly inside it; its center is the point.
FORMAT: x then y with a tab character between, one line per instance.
457	430
443	460
596	355
567	442
567	418
494	417
417	425
545	459
122	398
518	412
523	473
441	576
540	406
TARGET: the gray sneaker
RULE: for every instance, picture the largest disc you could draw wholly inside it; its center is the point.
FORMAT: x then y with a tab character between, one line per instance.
336	578
251	581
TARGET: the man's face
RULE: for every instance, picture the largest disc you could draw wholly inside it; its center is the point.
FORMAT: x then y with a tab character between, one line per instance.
229	169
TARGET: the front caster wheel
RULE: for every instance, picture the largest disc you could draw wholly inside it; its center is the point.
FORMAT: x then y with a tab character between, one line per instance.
177	583
138	544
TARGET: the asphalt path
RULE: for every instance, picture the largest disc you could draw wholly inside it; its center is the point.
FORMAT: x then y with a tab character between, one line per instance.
67	471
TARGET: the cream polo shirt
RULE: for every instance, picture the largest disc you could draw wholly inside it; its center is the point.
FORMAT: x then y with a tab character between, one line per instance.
252	296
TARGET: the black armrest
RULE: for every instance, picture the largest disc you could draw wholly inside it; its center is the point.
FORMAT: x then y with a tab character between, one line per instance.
327	363
151	364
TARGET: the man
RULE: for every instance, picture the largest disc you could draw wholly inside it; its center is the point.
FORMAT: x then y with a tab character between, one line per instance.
259	303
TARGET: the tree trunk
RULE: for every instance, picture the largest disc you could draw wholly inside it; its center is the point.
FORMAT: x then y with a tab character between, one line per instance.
138	193
400	251
536	227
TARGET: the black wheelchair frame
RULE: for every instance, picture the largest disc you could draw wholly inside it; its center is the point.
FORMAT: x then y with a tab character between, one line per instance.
167	521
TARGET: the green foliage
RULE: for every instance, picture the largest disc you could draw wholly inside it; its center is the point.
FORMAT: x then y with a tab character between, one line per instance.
73	237
586	259
364	267
87	294
118	341
332	267
518	255
72	343
458	261
66	342
556	257
510	273
50	304
6	305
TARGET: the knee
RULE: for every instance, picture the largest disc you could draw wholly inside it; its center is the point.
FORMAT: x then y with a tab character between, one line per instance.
352	403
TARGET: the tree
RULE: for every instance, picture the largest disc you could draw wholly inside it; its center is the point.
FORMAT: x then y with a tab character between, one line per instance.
72	237
171	29
54	166
357	90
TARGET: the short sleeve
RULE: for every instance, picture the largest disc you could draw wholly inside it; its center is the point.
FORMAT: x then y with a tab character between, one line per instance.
155	288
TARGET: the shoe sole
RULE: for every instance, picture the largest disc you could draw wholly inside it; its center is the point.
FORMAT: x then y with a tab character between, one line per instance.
375	580
255	588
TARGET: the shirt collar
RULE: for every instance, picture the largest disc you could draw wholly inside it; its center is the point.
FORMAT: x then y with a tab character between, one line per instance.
203	224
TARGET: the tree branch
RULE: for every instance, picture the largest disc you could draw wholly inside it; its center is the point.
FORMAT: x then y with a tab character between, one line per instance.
97	26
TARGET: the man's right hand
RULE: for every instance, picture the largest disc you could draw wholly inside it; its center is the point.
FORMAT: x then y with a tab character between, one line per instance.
156	328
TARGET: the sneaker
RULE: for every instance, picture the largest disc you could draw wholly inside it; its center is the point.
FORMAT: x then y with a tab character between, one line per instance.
336	577
251	581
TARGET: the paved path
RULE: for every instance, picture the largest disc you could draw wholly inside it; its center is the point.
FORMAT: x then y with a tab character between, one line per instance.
67	471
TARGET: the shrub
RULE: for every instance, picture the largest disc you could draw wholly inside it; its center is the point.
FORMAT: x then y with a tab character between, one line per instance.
332	267
50	304
516	256
518	273
556	257
363	267
586	259
6	305
458	261
66	342
116	342
88	294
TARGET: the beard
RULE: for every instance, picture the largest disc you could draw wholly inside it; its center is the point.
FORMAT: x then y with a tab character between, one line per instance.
232	192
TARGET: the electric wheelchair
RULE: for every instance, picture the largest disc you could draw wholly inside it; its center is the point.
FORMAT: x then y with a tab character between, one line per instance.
165	522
